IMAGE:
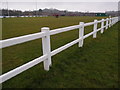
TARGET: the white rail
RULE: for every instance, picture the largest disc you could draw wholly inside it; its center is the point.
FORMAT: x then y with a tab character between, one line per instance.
47	53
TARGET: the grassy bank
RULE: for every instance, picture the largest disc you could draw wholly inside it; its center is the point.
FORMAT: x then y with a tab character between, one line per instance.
94	65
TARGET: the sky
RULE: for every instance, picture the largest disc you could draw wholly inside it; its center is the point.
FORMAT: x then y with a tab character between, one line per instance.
70	5
60	0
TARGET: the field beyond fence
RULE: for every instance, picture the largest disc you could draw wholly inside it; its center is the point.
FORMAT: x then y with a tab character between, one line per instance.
50	50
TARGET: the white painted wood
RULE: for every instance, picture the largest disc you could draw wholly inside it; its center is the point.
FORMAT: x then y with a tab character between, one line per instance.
46	48
107	23
60	30
110	22
95	29
54	52
20	69
45	35
87	35
99	29
21	39
102	25
88	24
81	34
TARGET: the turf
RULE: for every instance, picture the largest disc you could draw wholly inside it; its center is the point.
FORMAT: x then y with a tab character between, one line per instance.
95	65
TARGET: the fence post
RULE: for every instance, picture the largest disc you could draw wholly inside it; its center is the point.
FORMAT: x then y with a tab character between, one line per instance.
95	29
81	34
46	48
102	25
110	22
107	23
113	21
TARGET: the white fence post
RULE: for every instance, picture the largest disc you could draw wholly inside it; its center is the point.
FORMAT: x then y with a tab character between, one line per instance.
46	48
110	22
107	23
95	29
81	34
113	21
102	25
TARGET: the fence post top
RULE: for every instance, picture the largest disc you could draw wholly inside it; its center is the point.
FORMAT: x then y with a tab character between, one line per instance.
95	20
45	29
81	23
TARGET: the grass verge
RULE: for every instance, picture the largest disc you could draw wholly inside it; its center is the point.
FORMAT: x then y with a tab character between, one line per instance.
93	66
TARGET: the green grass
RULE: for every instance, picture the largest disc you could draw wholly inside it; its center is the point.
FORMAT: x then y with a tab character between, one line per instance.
95	65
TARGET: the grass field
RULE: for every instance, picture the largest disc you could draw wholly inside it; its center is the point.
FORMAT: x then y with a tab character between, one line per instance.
93	66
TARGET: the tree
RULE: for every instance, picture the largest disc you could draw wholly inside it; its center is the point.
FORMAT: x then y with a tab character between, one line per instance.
40	10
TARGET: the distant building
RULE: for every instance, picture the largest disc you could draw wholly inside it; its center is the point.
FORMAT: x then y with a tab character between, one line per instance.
101	14
112	13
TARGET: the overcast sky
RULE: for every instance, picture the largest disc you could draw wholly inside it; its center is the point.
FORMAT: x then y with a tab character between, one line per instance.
60	0
71	5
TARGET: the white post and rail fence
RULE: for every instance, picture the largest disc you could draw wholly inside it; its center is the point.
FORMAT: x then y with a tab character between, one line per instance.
46	46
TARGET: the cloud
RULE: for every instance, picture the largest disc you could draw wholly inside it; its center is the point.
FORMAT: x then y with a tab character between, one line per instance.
71	6
60	0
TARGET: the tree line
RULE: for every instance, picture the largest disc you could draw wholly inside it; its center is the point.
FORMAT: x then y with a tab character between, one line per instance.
53	12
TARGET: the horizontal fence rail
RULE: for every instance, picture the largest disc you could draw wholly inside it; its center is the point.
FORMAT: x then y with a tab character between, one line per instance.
46	46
